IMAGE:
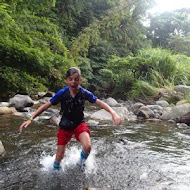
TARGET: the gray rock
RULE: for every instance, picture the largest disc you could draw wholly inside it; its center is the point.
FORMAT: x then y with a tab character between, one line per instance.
41	94
144	114
104	115
4	104
186	132
92	122
134	108
55	120
154	107
21	101
182	126
2	149
111	102
182	88
162	103
175	111
146	110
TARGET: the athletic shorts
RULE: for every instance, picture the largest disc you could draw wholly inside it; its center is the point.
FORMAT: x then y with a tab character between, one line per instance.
64	136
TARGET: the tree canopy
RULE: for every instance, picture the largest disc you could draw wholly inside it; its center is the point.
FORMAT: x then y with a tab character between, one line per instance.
40	40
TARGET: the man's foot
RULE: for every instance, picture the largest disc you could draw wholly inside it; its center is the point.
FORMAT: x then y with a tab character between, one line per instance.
81	164
56	166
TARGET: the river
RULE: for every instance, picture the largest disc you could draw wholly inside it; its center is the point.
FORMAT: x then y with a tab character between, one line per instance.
135	156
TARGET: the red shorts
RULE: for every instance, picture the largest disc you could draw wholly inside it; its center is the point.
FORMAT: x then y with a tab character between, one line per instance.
64	136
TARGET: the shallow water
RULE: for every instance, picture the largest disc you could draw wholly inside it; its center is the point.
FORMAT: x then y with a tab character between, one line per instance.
135	156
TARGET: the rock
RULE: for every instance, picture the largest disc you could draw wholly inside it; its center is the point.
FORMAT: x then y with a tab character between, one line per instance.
4	104
175	112
55	120
104	115
182	88
182	126
21	101
185	119
41	94
6	110
2	149
146	110
186	132
162	103
112	102
49	94
92	123
134	108
144	114
171	121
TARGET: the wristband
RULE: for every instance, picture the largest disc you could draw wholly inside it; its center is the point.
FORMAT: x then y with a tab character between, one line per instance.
31	119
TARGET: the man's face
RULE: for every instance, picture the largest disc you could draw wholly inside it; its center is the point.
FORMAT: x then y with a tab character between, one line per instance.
73	81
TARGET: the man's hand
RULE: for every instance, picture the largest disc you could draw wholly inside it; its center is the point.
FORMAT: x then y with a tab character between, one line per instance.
24	125
116	119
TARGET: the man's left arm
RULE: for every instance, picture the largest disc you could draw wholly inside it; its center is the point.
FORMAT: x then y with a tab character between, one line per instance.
115	117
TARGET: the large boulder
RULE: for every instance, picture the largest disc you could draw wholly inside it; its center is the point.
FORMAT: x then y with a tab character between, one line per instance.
145	112
2	149
182	88
162	103
175	112
135	107
121	111
111	102
7	110
21	101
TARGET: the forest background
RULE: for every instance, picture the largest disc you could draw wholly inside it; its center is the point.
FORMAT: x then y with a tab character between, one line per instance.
119	55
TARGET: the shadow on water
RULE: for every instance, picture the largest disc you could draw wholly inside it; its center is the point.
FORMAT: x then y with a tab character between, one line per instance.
132	157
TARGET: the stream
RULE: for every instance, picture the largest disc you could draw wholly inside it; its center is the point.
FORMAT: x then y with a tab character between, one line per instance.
134	156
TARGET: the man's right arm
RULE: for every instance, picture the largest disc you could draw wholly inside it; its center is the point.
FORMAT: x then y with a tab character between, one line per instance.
41	109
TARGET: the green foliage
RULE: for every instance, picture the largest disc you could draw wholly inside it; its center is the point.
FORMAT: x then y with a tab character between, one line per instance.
86	71
106	79
159	60
168	24
123	82
33	6
18	81
179	44
40	40
142	89
33	46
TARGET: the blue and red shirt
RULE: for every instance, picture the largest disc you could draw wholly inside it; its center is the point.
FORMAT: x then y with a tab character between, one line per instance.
72	107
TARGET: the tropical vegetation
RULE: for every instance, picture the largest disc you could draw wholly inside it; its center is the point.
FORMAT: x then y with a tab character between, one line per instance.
119	55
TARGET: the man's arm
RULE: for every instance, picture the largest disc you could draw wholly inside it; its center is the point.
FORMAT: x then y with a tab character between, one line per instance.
41	109
115	117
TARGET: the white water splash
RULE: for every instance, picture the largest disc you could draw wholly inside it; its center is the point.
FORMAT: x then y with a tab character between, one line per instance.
72	156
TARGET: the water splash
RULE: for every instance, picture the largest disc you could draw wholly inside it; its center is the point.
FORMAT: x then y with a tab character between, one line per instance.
72	156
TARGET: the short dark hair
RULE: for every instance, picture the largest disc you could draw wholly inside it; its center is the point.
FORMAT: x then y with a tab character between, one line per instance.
72	71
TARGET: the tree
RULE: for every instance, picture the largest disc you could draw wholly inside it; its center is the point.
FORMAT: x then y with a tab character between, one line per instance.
179	44
168	24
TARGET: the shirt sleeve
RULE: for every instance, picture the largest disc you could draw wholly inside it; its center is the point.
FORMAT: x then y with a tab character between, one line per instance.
57	97
90	96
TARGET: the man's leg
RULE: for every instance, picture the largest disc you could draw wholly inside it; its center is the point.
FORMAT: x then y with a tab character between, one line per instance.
59	156
63	138
84	139
82	134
